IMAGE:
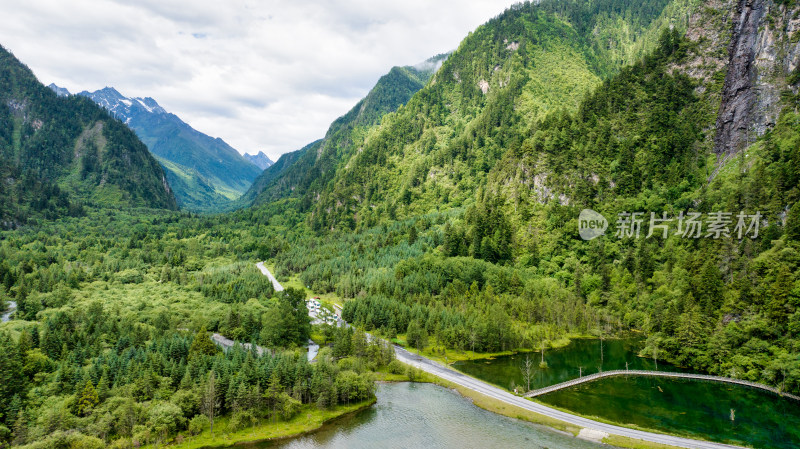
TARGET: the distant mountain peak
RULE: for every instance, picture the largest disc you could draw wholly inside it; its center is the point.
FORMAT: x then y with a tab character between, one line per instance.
121	106
205	173
60	91
260	160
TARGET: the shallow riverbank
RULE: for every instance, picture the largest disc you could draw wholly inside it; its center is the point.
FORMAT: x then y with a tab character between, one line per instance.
308	420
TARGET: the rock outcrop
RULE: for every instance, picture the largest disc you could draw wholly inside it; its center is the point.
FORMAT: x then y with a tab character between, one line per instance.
763	53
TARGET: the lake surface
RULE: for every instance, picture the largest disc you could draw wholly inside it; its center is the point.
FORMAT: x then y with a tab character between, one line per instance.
691	408
410	415
581	356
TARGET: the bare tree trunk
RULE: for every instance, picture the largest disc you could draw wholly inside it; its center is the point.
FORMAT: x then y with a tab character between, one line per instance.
210	401
527	372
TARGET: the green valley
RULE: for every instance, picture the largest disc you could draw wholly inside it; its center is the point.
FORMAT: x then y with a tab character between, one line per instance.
442	217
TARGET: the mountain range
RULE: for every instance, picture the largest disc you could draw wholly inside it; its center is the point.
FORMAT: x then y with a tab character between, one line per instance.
205	173
59	153
260	160
656	106
442	211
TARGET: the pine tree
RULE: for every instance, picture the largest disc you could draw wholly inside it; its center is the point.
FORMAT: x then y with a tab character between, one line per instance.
20	434
102	386
87	398
793	223
202	344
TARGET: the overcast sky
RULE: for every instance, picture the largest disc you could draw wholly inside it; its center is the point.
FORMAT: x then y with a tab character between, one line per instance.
262	75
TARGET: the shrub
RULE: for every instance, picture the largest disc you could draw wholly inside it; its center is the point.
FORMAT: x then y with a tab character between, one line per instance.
396	367
198	424
241	420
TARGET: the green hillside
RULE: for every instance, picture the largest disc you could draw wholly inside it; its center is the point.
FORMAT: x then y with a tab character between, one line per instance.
439	147
441	213
57	153
458	214
205	173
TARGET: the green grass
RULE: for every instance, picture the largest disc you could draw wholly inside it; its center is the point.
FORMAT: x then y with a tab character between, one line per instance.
631	443
308	420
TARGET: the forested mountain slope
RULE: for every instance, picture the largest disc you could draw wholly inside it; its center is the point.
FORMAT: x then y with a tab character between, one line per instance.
205	173
58	152
439	147
465	201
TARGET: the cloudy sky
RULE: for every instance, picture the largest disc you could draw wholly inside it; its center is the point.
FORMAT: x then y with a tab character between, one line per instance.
262	75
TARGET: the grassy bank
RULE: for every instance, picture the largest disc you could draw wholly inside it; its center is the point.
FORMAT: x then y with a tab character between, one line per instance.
309	419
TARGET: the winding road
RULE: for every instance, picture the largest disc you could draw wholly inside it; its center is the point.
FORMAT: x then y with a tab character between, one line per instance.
591	427
275	284
12	307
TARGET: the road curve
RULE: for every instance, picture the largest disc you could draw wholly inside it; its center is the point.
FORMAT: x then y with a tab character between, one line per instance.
486	389
275	284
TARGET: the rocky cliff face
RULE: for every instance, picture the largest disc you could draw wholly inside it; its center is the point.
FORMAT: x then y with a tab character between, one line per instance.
777	56
738	93
763	52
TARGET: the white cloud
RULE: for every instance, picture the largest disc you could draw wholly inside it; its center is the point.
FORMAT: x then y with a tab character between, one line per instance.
262	75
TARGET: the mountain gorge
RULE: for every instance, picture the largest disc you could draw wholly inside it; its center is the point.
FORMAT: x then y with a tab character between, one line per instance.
444	213
205	173
57	153
314	165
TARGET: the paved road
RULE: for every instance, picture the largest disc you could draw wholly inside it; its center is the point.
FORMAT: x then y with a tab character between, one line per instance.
275	284
484	388
12	306
313	348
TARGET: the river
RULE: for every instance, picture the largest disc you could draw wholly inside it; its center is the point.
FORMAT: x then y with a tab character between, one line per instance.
713	411
410	415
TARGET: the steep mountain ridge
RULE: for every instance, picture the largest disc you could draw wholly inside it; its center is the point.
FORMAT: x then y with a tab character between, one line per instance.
438	149
457	215
316	168
57	153
206	173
